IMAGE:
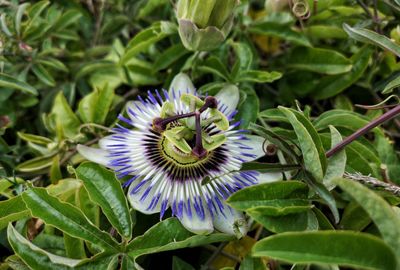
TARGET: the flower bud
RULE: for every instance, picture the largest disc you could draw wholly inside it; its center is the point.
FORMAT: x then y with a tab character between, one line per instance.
204	24
395	34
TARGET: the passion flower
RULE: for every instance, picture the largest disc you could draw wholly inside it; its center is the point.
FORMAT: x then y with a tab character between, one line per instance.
170	143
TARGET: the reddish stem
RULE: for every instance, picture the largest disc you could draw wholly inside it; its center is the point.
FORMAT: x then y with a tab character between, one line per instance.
376	122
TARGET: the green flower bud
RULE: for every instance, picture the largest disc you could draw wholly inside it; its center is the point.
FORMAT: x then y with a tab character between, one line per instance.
395	34
204	24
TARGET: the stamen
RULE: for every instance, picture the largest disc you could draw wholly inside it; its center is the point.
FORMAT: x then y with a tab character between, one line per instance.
210	102
199	150
160	124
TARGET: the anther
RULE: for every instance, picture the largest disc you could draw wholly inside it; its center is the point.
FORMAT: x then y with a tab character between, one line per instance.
160	124
209	102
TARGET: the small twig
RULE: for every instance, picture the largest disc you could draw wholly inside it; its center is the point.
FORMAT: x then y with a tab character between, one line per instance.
74	151
376	122
258	232
373	182
218	251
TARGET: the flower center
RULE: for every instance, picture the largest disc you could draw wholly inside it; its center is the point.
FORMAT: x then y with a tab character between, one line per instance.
184	139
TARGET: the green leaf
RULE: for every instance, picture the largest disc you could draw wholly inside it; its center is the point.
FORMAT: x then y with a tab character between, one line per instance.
169	234
4	27
18	17
147	37
43	75
36	164
74	247
279	194
65	117
354	218
388	157
250	263
65	217
368	36
179	264
55	170
280	31
336	163
333	85
105	190
296	221
7	81
268	167
34	138
244	54
248	109
35	257
314	135
53	63
170	56
11	210
39	259
354	249
94	108
214	65
319	60
391	85
69	17
382	214
258	76
311	155
325	32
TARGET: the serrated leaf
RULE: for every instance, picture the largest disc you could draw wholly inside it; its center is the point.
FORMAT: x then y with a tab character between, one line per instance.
344	248
105	190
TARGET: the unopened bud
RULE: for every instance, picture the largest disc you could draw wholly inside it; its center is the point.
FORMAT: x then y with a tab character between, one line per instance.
204	24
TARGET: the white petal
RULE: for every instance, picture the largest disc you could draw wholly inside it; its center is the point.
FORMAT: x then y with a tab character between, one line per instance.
106	141
228	99
97	155
143	205
269	177
234	222
181	84
196	224
255	145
